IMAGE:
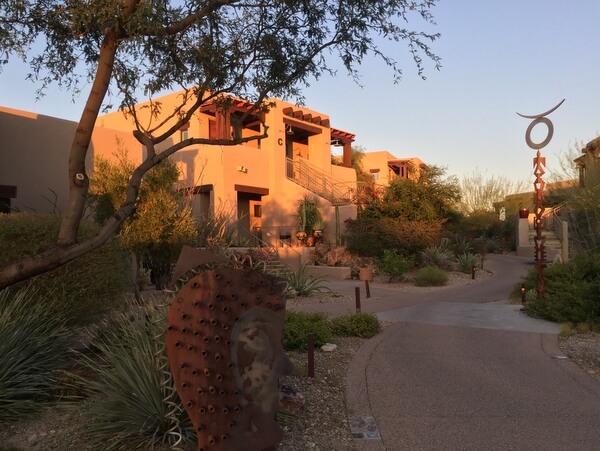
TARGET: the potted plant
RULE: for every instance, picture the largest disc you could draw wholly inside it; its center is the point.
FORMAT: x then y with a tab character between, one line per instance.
318	229
307	216
365	273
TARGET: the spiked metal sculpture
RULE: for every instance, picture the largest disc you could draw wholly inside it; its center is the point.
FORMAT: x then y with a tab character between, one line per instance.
223	336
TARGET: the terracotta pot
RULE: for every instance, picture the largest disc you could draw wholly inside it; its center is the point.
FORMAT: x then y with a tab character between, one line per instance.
365	274
523	213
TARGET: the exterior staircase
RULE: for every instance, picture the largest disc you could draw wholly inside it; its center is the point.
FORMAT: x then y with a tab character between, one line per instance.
555	233
319	182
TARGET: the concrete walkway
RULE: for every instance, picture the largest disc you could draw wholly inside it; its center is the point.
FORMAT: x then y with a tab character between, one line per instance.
463	369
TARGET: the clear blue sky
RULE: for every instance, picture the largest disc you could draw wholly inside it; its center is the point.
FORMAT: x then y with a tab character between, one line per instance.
498	57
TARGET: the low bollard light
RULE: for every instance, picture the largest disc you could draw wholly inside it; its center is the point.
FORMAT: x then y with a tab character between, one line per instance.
310	338
357	296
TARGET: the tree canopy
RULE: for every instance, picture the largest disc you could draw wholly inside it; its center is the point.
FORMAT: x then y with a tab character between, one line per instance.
479	192
133	50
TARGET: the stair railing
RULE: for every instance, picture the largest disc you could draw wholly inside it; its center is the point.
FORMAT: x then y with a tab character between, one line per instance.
319	182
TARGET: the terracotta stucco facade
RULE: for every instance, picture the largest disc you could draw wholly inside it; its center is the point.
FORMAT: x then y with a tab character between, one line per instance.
34	156
385	167
256	181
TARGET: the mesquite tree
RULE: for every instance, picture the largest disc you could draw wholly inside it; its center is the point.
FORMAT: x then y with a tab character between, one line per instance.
131	50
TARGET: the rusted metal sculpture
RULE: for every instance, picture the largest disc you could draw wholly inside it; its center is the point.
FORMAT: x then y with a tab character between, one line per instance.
539	168
223	336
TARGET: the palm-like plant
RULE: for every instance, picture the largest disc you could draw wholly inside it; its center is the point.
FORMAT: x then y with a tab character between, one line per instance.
308	214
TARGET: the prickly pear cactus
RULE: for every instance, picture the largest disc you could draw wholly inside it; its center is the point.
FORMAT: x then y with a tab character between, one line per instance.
223	336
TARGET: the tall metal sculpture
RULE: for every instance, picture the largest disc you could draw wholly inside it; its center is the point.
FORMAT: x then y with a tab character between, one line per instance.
539	165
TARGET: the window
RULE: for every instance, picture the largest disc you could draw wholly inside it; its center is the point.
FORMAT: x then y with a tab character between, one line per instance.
183	131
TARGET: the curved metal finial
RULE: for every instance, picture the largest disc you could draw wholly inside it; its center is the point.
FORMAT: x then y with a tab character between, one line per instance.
535	116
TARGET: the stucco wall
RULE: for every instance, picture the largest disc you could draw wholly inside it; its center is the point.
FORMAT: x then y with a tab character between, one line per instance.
35	153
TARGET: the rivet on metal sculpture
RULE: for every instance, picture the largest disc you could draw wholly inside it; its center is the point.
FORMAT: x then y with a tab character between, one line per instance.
539	165
223	338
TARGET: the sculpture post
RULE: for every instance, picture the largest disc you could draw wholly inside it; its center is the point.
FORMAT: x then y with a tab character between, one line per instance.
539	165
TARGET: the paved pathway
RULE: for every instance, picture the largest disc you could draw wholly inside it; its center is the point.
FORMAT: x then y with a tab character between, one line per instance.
463	369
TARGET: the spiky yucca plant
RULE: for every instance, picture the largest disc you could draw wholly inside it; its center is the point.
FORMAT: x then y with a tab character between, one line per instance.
33	349
437	255
467	261
132	400
303	283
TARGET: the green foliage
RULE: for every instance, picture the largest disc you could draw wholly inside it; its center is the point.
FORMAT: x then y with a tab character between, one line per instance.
308	216
572	291
157	59
466	262
370	236
481	194
360	324
431	276
439	255
162	224
85	288
431	197
126	392
299	324
394	265
303	283
461	245
407	216
33	349
218	229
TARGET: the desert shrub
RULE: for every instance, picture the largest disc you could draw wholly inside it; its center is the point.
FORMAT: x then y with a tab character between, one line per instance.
86	287
370	236
299	324
129	383
33	349
218	228
431	276
466	262
303	283
394	265
363	325
438	255
572	291
460	245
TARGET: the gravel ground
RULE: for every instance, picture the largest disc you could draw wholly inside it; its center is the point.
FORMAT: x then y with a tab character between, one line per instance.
320	426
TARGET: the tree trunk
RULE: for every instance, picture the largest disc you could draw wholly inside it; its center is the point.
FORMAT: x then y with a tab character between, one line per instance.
78	178
67	248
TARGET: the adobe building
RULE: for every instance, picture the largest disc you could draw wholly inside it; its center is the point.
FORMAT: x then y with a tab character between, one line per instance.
34	159
260	181
385	167
587	163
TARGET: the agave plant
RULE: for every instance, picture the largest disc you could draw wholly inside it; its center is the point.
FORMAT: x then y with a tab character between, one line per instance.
461	246
467	261
437	255
132	399
33	350
303	283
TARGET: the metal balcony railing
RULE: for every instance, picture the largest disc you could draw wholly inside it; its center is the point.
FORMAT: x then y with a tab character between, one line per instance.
320	182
